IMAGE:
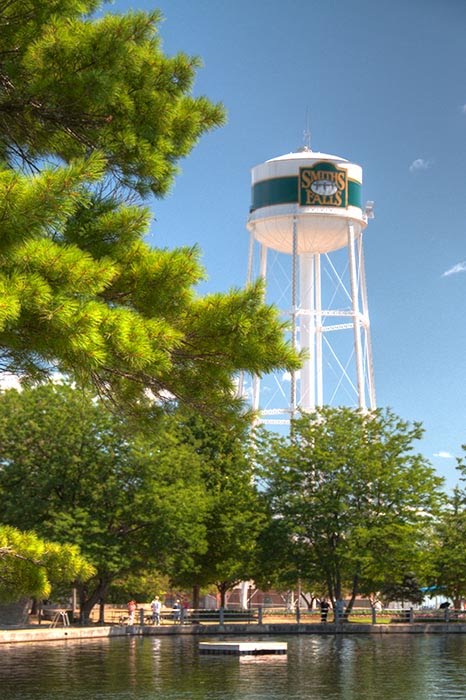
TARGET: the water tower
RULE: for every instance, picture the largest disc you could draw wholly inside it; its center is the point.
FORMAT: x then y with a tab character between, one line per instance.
307	209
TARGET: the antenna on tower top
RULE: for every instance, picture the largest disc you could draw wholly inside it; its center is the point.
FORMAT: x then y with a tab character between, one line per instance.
307	132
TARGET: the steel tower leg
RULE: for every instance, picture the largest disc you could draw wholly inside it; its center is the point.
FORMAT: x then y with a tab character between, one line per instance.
294	270
365	311
356	316
307	335
318	331
252	238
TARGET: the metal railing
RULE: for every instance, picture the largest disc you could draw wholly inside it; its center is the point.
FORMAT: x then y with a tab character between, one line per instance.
281	615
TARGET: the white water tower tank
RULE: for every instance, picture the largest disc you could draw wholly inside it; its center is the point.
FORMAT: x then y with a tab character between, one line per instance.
321	190
305	205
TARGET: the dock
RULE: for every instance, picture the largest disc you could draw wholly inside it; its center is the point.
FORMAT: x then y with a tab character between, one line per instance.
238	648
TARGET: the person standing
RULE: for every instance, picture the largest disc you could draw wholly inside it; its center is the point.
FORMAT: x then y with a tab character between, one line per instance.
324	606
176	611
156	607
132	605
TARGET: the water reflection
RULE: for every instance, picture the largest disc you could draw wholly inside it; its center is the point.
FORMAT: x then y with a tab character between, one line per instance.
399	667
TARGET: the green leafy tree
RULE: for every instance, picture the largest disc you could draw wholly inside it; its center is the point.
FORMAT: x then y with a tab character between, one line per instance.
235	514
31	566
282	564
448	540
352	495
407	590
141	586
77	474
93	118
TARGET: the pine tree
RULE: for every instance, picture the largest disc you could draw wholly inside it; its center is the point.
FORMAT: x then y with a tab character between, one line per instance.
93	119
30	566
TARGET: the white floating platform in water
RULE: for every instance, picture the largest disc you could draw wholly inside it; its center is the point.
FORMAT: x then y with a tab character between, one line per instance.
243	647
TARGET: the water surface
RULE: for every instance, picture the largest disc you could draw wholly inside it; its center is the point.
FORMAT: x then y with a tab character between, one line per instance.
395	667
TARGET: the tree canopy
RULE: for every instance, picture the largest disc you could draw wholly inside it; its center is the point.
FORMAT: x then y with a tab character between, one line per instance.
354	499
93	118
235	512
448	536
129	501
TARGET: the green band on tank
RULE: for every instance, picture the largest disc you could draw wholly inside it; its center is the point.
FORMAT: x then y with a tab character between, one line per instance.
280	190
354	194
284	190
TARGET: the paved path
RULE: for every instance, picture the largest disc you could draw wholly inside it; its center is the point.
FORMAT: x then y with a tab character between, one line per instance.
39	634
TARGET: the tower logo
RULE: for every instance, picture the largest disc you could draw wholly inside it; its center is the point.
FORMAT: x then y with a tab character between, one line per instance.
323	185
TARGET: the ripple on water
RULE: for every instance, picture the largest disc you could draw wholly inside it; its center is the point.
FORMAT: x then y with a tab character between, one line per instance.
395	667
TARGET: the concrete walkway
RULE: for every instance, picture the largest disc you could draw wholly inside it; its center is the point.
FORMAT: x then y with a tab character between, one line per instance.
38	634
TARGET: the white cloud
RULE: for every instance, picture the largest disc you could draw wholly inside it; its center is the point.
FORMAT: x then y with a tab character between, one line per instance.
463	109
419	164
444	455
456	269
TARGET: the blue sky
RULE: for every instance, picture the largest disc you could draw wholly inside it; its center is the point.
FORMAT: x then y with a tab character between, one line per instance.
384	85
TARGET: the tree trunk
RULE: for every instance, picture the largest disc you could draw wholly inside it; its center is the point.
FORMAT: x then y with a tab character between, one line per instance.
309	601
222	589
101	611
196	595
87	600
354	591
331	592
